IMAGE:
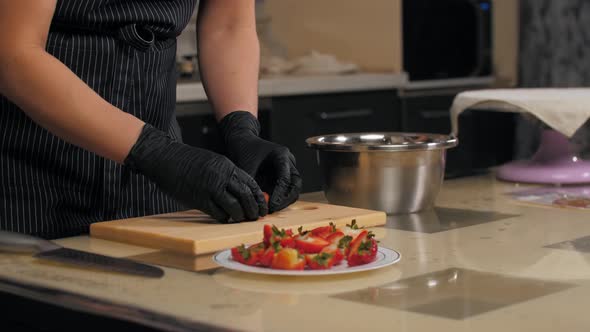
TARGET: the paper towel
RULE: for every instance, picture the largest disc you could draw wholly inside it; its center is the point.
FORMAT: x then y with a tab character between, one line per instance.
563	109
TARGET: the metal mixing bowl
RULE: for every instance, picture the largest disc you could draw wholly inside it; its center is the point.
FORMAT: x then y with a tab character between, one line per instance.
392	172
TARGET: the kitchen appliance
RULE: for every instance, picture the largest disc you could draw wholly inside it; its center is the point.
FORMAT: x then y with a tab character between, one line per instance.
553	163
392	172
47	250
565	110
194	233
445	39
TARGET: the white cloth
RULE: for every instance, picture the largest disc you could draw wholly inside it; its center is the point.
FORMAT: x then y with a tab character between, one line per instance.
314	63
563	109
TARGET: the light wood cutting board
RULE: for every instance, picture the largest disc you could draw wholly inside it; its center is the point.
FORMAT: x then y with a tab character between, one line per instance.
193	232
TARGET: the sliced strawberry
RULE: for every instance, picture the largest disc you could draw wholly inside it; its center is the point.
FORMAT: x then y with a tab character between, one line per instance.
287	242
352	229
267	232
337	254
309	244
266	258
335	237
244	255
358	239
257	248
288	259
344	244
272	234
324	231
321	231
363	249
319	261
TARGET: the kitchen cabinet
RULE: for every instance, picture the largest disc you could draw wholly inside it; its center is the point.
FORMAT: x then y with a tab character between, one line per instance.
199	127
293	119
485	137
290	120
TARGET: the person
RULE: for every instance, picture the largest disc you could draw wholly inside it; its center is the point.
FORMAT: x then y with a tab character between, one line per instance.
87	125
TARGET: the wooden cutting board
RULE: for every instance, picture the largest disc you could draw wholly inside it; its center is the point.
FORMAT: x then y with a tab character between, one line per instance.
193	232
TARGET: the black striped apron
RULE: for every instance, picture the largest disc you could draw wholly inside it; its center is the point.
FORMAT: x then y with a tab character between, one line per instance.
126	52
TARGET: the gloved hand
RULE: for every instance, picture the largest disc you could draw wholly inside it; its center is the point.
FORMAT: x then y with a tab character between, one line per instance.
197	178
270	164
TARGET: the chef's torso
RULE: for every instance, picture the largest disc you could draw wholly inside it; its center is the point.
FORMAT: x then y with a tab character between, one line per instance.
125	50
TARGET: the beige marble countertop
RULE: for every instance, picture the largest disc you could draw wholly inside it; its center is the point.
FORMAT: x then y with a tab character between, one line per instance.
274	86
479	262
190	91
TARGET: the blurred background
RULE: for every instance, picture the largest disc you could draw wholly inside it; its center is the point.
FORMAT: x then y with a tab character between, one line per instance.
336	66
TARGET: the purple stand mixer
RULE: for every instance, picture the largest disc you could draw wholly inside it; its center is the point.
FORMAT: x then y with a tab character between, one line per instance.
553	163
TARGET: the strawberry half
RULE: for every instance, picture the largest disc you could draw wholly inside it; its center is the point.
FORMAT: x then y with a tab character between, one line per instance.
272	234
324	231
337	254
321	261
245	255
363	249
309	244
265	259
288	259
335	237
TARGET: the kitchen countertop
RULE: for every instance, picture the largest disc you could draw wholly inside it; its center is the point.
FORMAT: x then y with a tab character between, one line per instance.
479	262
275	86
301	85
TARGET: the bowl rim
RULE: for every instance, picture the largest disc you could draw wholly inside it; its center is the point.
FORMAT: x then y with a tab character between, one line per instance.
440	141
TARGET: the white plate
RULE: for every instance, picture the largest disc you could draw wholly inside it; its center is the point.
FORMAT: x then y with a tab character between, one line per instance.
385	257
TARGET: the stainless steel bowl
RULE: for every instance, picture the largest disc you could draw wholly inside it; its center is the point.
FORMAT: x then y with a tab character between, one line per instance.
392	172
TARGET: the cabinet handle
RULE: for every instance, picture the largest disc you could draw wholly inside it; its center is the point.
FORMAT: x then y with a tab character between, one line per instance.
348	114
435	114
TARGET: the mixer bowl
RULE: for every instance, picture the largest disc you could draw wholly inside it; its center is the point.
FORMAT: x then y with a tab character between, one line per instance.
397	173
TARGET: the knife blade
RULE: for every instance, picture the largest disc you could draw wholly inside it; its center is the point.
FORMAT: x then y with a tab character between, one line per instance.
43	249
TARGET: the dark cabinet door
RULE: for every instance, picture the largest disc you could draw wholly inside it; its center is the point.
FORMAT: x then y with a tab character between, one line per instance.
485	137
431	114
294	119
199	126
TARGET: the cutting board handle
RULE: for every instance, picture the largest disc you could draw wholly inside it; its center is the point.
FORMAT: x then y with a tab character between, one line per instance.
21	243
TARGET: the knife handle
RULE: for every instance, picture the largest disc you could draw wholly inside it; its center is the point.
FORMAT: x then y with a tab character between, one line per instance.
21	243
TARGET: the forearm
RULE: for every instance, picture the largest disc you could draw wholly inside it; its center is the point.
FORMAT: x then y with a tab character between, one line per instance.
229	60
55	98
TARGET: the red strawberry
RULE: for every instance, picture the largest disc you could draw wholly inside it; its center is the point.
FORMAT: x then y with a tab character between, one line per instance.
363	249
309	244
288	259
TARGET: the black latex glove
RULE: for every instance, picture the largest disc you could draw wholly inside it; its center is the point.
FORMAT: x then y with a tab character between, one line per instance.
271	165
198	178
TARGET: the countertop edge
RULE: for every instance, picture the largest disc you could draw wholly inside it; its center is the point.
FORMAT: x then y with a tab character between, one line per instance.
282	86
92	305
302	85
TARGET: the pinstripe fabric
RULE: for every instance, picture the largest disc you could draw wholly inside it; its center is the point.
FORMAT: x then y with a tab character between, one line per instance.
50	188
166	18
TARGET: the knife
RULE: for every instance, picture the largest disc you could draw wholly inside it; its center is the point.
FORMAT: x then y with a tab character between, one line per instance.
43	249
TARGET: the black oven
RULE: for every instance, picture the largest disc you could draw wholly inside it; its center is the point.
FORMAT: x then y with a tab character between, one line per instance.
444	39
